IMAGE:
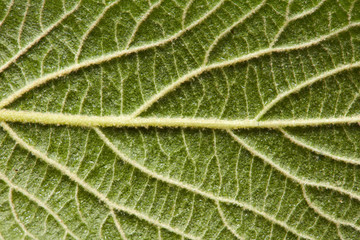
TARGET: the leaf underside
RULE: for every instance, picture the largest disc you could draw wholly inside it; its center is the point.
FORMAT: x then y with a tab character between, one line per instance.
180	119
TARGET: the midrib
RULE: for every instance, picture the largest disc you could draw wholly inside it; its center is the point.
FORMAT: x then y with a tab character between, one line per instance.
128	121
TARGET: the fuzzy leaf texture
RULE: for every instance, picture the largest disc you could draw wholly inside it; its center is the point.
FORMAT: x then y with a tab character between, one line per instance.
180	119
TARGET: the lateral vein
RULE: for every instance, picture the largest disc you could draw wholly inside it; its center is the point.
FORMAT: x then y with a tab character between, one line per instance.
300	180
38	202
75	67
193	189
75	178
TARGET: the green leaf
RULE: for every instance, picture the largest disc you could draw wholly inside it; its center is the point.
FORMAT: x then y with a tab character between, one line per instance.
180	119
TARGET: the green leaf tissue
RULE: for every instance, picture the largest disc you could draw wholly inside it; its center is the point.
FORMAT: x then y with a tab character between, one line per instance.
179	119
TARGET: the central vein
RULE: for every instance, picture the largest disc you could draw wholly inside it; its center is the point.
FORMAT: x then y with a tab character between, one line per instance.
128	121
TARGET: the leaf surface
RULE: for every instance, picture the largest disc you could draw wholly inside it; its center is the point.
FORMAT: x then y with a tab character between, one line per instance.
180	119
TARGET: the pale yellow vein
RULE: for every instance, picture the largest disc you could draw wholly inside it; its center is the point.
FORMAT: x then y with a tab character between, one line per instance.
64	170
128	121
